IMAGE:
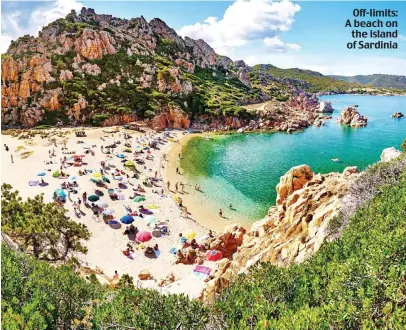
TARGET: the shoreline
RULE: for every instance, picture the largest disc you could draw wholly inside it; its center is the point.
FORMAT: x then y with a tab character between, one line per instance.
199	208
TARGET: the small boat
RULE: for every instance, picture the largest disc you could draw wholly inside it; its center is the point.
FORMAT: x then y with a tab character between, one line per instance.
335	159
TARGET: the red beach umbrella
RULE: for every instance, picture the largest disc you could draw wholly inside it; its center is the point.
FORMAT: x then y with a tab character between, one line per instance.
214	255
143	236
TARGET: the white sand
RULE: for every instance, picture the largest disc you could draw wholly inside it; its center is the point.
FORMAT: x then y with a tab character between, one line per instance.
106	244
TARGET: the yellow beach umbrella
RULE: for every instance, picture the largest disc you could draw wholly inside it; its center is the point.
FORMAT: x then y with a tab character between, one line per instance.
129	163
190	235
97	175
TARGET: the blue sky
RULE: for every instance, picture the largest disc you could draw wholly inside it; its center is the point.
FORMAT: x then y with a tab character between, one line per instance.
305	34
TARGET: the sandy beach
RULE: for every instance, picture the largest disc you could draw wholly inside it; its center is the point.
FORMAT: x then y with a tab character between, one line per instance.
106	243
200	209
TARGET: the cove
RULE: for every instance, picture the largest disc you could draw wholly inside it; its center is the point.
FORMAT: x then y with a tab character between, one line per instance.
243	169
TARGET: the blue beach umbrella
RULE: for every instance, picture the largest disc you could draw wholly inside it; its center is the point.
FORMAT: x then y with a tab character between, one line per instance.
41	174
127	219
60	193
72	178
120	155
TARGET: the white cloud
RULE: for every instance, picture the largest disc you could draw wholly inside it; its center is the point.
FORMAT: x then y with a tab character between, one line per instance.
275	44
243	22
16	24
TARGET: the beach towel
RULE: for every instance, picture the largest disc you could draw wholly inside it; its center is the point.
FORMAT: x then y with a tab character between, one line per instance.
33	183
201	276
202	269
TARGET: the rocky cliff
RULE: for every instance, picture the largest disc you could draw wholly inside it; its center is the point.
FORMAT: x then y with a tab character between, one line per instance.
99	69
294	228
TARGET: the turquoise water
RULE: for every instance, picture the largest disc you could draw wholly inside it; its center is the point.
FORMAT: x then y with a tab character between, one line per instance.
243	169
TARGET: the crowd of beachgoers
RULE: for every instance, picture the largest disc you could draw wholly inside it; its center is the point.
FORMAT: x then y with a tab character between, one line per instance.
112	181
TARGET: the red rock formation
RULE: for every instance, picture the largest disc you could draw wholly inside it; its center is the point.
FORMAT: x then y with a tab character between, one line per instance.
293	230
119	120
172	118
92	44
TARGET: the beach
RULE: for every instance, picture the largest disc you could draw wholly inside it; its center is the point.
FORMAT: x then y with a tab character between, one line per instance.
200	208
106	243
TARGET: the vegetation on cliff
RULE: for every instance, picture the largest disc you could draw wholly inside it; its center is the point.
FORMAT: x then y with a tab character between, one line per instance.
356	281
305	80
102	70
376	80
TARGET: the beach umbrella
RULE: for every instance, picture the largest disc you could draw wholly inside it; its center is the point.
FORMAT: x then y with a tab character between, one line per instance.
129	163
173	251
56	174
93	198
60	193
41	174
101	204
151	219
138	199
143	236
105	179
108	212
97	175
214	255
110	191
190	235
94	180
118	177
72	178
114	224
127	219
120	155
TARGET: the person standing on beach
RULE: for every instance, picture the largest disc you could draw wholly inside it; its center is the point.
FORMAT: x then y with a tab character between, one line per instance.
221	213
12	160
169	185
176	186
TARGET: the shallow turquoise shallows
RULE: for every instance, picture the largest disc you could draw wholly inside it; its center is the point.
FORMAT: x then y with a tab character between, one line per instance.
243	169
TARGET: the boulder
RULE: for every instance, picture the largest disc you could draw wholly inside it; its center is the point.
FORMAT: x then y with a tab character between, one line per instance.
389	153
397	115
350	170
228	242
145	275
326	107
350	116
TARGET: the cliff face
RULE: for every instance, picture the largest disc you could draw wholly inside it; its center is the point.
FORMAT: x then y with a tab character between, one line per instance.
293	229
90	68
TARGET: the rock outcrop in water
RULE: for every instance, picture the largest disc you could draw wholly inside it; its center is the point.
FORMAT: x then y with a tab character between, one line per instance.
326	107
293	230
350	116
397	115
